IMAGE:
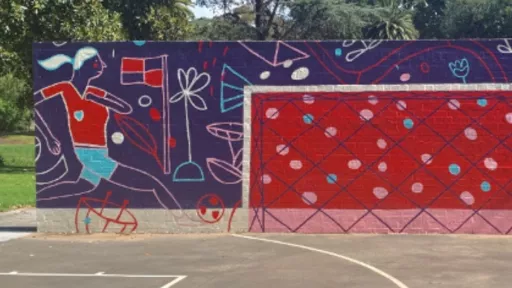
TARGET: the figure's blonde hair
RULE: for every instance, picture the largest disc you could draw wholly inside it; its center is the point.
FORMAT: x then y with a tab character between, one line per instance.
56	61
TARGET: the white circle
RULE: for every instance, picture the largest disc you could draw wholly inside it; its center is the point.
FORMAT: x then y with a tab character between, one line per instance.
145	98
382	167
380	192
296	164
330	132
467	198
426	158
372	99
401	105
309	198
300	74
287	63
366	114
282	149
453	104
490	164
417	187
264	75
117	138
266	179
471	133
308	99
508	118
272	113
382	144
354	164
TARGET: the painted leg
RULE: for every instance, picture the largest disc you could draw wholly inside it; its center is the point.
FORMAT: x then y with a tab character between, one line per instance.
64	189
145	182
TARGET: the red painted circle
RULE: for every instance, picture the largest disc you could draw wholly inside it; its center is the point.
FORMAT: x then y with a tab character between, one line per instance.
155	114
172	142
213	214
425	68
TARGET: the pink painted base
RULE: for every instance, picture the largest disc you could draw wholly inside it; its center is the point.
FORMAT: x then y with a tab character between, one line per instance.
434	221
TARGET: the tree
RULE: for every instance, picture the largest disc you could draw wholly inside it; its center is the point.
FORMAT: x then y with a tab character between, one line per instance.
220	28
266	13
13	116
327	19
477	19
169	23
26	21
135	13
394	21
427	18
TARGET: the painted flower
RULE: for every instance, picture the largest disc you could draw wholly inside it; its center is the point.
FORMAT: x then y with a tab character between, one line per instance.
191	83
460	68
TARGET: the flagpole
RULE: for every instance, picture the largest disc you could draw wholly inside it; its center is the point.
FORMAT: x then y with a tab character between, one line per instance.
167	117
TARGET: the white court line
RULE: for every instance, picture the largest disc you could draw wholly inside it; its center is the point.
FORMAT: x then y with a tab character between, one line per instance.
177	279
357	262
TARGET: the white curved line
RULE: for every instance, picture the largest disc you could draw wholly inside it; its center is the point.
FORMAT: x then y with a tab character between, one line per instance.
38	145
354	261
61	159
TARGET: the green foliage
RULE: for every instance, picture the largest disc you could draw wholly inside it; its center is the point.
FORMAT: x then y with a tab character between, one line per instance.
13	116
327	19
88	20
477	19
393	21
220	28
138	15
170	22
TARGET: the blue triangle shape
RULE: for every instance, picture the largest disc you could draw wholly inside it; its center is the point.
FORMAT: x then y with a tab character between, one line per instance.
232	93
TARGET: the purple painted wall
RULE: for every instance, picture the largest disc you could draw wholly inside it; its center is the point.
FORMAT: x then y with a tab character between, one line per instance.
158	125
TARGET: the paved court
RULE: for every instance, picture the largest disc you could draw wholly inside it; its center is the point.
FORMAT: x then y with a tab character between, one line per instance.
186	261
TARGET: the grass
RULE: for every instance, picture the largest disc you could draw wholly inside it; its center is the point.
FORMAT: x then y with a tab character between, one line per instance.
17	174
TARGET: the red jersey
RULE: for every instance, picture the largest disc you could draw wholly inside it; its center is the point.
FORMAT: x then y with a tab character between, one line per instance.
87	119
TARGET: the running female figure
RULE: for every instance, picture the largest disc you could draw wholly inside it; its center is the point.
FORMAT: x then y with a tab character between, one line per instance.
88	110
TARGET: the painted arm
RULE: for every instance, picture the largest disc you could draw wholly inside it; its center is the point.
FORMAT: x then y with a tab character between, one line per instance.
112	102
51	141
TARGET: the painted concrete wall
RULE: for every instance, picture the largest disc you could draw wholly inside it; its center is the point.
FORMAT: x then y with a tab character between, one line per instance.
182	137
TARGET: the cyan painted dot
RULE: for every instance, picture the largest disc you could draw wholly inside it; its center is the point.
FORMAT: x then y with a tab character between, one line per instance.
482	102
139	42
308	118
338	52
332	178
485	186
408	123
454	169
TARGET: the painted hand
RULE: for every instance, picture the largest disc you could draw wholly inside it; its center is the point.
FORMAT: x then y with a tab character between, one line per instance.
53	146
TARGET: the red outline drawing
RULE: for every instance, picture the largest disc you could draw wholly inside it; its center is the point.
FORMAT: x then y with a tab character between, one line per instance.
201	209
104	203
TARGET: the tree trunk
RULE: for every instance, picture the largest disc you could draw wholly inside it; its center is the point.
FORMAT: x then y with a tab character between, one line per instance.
258	7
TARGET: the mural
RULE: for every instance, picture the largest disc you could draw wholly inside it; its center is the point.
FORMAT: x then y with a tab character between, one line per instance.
129	127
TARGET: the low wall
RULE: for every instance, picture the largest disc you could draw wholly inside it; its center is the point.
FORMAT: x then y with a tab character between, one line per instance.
308	137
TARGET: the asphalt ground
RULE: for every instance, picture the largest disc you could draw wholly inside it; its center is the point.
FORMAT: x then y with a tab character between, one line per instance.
256	260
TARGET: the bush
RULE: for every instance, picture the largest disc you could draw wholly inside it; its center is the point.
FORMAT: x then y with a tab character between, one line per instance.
13	116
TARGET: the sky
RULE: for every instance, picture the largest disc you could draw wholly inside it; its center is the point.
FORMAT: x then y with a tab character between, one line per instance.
202	12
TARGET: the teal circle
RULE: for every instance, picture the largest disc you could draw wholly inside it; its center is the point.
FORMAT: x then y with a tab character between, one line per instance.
482	102
332	178
308	118
408	123
454	169
338	52
485	186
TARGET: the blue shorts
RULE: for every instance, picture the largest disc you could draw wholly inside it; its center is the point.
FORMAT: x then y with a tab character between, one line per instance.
96	163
